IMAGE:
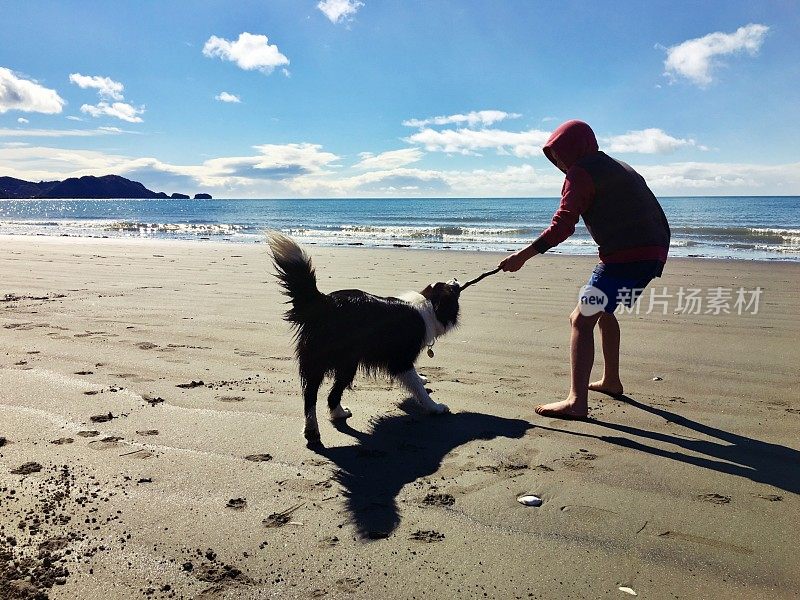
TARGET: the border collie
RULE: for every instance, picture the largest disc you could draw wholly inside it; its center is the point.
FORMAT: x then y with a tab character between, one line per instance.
344	331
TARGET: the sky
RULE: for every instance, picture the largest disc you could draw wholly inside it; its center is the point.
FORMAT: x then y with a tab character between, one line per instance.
399	98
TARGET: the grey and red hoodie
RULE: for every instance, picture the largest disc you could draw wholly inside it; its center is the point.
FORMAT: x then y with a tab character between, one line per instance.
619	210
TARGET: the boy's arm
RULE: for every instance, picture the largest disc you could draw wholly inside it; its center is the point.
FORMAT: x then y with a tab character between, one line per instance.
576	197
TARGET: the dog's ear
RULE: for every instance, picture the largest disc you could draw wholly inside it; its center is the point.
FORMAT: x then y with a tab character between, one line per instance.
427	292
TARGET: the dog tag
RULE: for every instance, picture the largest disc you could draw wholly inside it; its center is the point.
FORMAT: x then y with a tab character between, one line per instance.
430	352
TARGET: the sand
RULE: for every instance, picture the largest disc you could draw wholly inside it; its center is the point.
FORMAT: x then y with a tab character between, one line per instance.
150	407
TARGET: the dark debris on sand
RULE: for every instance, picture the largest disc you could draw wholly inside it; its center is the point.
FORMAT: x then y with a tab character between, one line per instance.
152	400
102	418
191	385
34	557
237	503
27	468
426	536
436	499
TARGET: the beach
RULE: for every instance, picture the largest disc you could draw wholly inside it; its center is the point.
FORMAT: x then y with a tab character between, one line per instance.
151	408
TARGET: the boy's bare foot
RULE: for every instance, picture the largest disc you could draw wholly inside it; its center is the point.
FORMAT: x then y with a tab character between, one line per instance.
612	388
566	409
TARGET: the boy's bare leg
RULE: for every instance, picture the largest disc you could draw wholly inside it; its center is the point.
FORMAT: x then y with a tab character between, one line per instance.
581	360
609	338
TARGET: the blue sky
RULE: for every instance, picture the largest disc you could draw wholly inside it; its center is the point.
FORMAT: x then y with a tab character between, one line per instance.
399	98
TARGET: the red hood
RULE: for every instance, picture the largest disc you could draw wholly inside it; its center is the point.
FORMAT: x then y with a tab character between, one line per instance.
569	143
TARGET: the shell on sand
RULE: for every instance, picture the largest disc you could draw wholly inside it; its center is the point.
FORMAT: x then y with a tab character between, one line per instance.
530	500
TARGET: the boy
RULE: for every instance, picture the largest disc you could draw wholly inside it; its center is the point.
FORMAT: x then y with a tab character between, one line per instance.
632	233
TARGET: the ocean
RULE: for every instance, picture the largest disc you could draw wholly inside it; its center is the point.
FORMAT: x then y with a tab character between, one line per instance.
731	227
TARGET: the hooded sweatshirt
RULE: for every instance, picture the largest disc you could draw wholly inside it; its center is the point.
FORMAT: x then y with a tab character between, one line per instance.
619	210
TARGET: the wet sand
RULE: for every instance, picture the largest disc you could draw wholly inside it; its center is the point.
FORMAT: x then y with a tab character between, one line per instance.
151	446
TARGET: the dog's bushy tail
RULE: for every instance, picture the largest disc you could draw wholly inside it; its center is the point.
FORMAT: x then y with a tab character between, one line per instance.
296	276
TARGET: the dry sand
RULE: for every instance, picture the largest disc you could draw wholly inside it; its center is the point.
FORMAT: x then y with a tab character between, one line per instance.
200	485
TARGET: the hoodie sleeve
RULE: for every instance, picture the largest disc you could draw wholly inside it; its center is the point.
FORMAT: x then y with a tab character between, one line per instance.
576	197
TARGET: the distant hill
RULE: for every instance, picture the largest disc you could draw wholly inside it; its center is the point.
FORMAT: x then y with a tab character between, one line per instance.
108	186
18	188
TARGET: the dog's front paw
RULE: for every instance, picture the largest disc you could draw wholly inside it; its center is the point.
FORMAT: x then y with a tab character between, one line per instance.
439	409
340	412
311	433
424	379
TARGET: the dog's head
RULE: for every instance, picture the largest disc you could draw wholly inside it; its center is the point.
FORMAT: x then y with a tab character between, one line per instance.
444	298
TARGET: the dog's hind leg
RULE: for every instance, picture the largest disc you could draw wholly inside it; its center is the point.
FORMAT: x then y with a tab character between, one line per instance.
342	380
411	380
311	382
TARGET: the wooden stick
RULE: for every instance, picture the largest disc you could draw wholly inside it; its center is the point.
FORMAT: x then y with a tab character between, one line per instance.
479	277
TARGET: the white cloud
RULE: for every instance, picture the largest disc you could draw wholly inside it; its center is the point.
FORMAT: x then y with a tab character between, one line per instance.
105	86
23	121
722	178
274	161
119	110
522	144
249	52
647	141
226	97
107	89
35	163
307	170
17	93
57	133
388	160
74	118
339	10
471	119
696	59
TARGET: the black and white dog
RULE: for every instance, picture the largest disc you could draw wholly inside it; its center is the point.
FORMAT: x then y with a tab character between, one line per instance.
338	333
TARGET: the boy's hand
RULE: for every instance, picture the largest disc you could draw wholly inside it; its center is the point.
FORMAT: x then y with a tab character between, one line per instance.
513	262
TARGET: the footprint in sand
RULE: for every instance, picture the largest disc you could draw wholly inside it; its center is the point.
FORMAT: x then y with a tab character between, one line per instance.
147	432
112	389
245	353
61	441
84	372
504	466
258	457
714	498
88	433
111	441
771	497
329	541
133	377
582	512
349	584
230	398
279	519
237	503
699	539
146	345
